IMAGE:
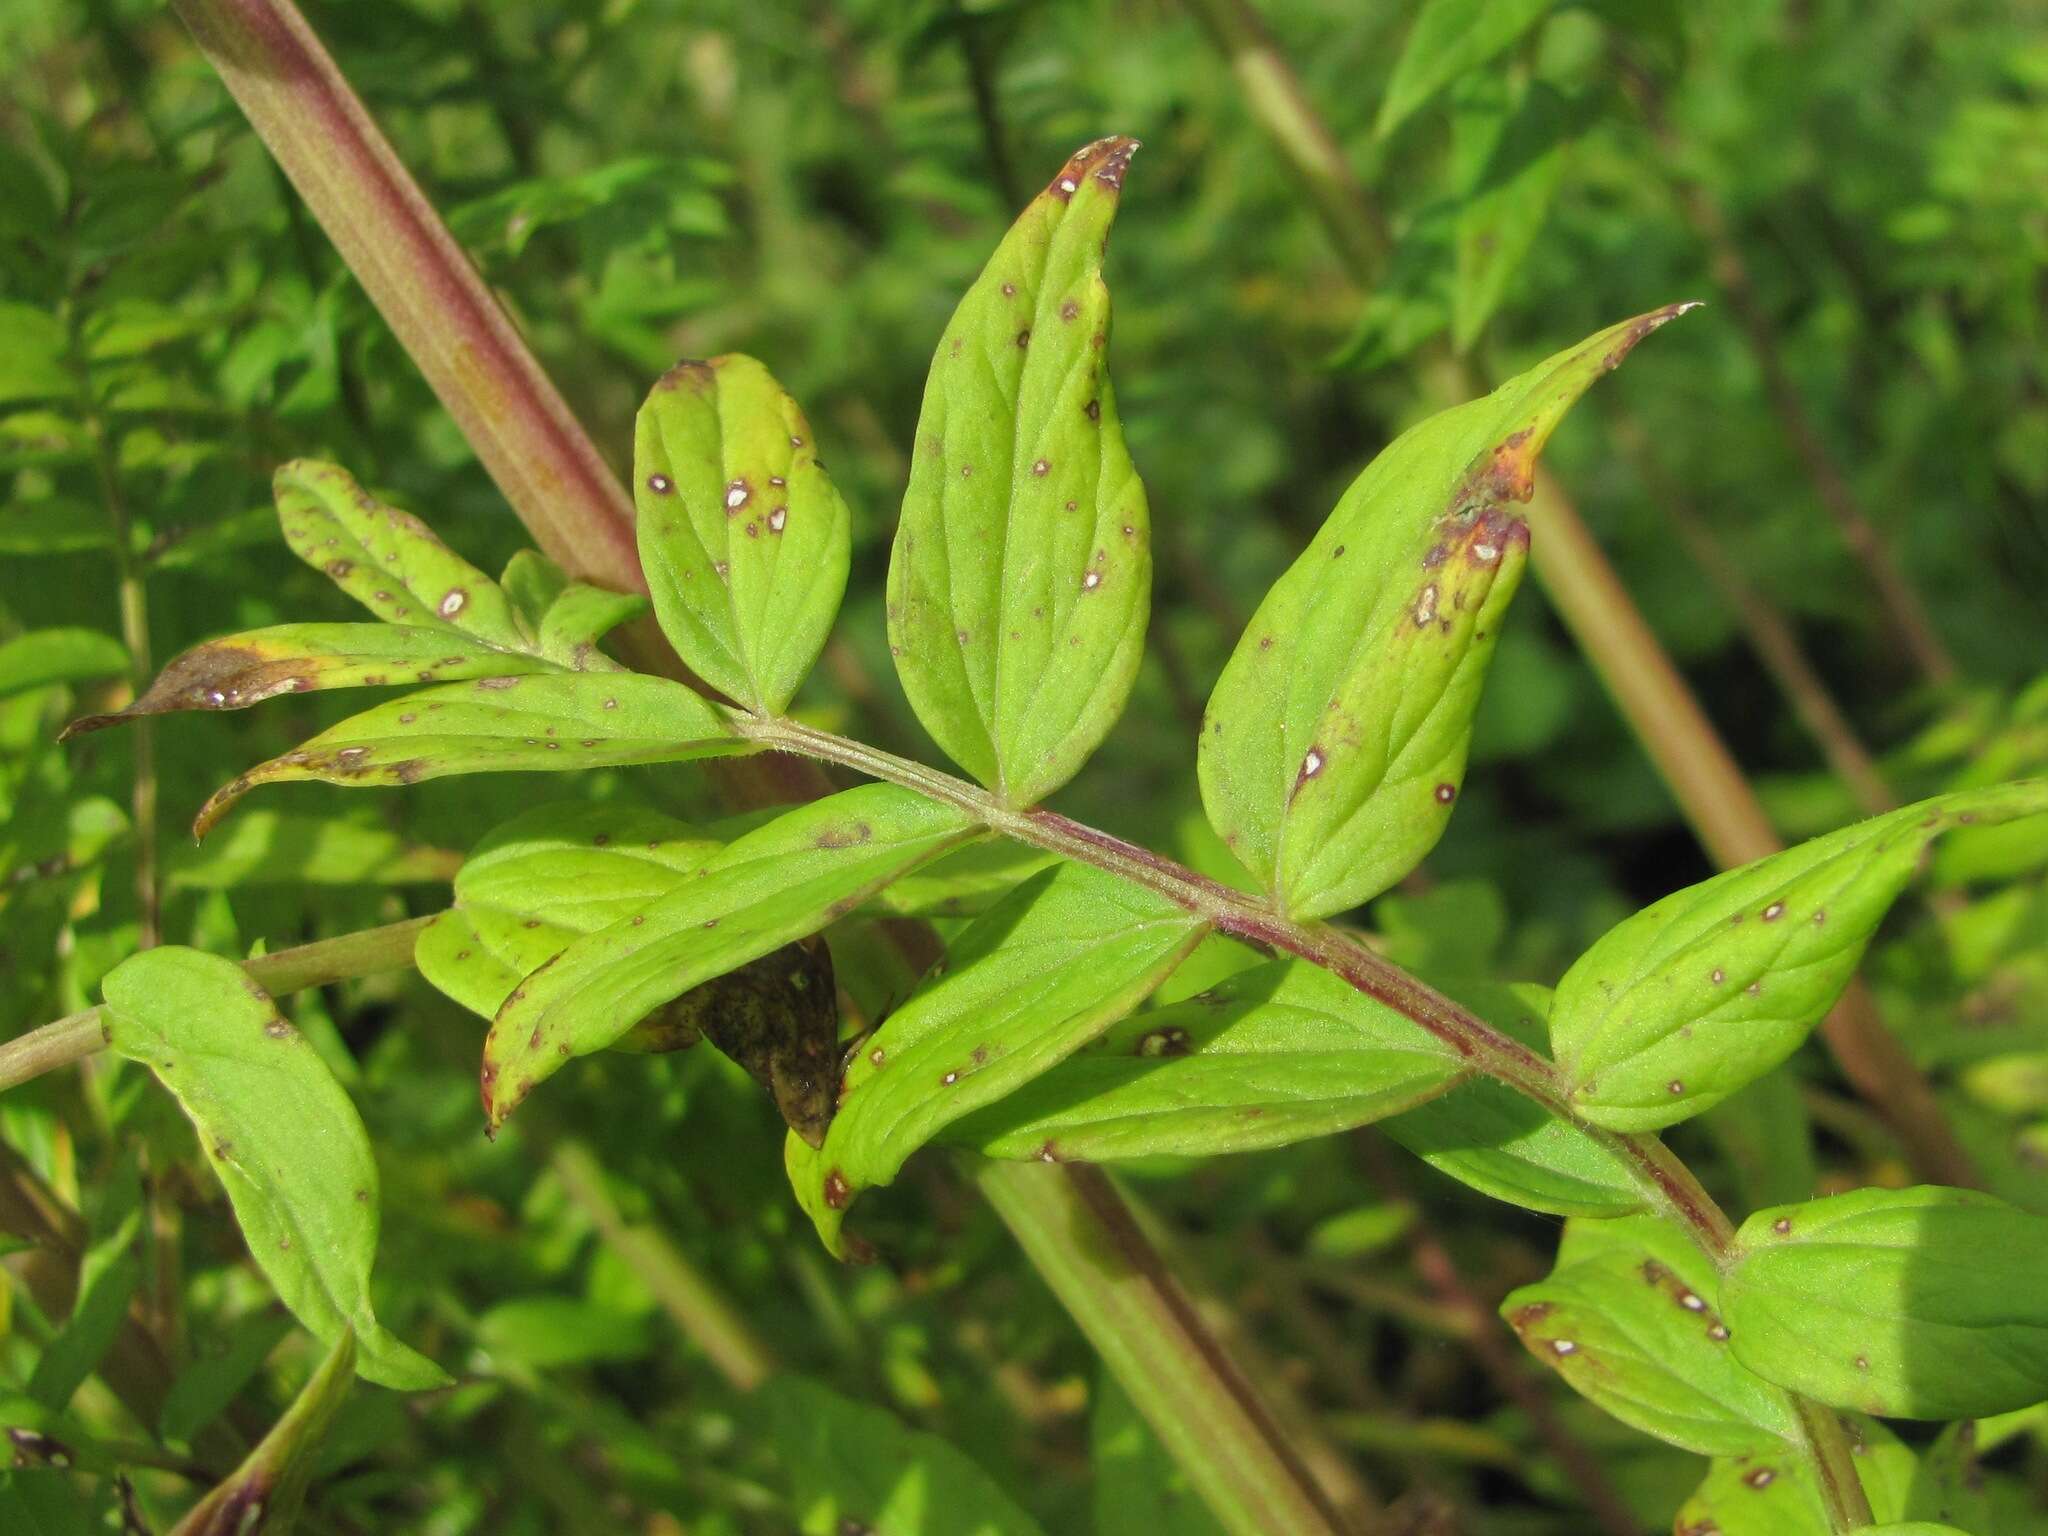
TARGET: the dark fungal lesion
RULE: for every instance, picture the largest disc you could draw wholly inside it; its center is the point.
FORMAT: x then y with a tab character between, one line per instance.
777	1017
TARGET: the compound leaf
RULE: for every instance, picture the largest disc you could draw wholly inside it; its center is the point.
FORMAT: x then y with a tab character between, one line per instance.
1335	741
1020	581
742	535
1693	997
280	1133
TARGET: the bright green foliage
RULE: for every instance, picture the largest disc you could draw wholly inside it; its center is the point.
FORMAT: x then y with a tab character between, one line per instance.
279	1132
1708	989
966	883
1334	744
1273	1055
566	618
67	655
743	537
551	722
1450	38
1921	1303
1020	580
540	880
788	879
1773	1493
1040	975
1484	1134
388	560
856	1468
1628	1316
266	1491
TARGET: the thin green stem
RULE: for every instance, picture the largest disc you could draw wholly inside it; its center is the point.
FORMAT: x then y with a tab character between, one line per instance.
1666	1183
367	953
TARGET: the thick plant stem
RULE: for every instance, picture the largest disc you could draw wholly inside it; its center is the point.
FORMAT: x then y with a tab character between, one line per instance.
1711	792
368	953
418	277
1090	1250
692	1303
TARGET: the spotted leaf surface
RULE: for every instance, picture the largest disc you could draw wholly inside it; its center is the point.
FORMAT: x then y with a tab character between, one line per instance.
386	559
1923	1303
1629	1317
1021	576
790	878
280	1133
1029	983
260	664
1772	1493
1273	1055
550	722
1708	989
742	535
1486	1135
1334	745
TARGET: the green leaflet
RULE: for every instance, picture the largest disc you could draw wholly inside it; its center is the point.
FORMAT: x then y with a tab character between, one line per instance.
260	664
279	1131
1450	37
1628	1317
1677	1007
1773	1493
1030	982
1485	1134
1334	744
555	722
1020	580
539	881
265	1491
1923	1303
1273	1055
566	618
388	560
791	877
46	656
743	537
849	1467
560	871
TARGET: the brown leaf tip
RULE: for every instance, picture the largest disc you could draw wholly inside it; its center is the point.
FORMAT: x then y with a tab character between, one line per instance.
1655	320
1106	159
